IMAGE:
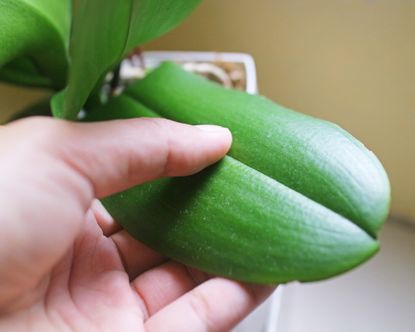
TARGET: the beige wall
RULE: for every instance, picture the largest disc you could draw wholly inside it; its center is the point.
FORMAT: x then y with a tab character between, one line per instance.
349	61
14	98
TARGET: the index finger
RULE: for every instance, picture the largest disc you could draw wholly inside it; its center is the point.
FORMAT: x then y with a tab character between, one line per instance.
216	305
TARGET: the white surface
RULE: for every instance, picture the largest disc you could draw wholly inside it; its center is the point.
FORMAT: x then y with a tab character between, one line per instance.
257	320
378	297
154	58
266	317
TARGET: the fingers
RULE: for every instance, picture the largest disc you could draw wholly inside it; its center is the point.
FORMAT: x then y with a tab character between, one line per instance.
136	257
216	305
163	284
104	220
51	171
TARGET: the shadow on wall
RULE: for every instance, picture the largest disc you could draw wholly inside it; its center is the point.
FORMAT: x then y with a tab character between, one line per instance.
351	62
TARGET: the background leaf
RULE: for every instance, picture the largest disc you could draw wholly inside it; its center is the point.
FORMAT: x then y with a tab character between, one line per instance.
103	32
22	71
35	31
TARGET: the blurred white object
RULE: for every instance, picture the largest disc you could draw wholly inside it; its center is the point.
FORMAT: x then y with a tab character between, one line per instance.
132	69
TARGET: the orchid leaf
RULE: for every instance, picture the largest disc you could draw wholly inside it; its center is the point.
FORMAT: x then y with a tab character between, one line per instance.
244	218
22	71
39	30
103	33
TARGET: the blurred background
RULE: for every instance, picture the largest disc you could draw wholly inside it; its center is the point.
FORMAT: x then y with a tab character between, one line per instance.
351	62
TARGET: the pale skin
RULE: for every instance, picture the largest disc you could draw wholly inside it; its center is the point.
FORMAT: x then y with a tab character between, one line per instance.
65	264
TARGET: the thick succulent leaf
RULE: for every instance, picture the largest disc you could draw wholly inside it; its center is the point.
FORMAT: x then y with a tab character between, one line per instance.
231	220
103	32
38	29
313	157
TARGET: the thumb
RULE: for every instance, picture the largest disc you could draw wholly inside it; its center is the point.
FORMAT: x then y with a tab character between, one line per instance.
115	155
52	170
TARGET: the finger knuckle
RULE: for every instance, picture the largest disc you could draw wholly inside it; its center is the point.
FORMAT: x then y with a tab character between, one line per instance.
41	132
201	307
160	128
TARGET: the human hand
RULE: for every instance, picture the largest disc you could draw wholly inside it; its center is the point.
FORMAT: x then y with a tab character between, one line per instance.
66	265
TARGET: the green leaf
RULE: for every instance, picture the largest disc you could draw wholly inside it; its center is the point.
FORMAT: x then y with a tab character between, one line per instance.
22	71
312	156
39	30
234	221
103	32
129	109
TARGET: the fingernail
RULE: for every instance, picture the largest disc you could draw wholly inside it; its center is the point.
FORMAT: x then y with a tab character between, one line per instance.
213	129
100	211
